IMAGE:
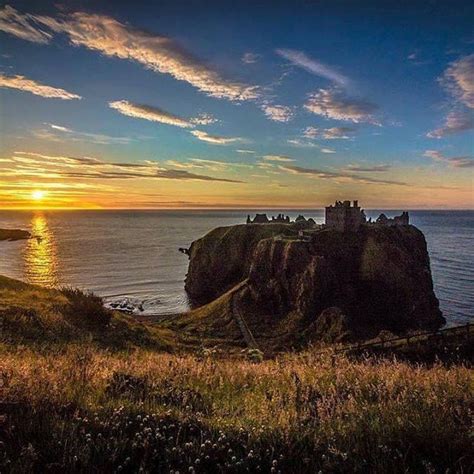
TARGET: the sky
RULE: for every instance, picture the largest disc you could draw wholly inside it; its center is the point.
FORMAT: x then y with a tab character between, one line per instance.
262	104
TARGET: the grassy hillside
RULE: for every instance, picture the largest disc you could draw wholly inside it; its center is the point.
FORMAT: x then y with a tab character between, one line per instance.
33	315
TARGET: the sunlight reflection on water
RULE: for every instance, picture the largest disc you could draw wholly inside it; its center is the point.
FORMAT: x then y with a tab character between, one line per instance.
40	253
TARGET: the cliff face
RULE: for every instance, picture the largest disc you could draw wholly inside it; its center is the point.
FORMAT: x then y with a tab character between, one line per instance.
377	278
222	258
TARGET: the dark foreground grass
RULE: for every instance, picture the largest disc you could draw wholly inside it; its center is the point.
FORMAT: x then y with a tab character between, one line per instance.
84	409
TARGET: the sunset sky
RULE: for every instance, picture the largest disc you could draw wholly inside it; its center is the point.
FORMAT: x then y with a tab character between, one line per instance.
236	104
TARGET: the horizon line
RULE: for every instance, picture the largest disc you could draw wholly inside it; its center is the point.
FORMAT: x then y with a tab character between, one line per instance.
205	208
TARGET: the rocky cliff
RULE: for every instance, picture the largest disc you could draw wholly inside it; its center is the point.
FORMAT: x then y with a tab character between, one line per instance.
375	279
222	258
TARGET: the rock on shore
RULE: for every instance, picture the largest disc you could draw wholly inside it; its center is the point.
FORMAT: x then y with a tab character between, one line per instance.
14	234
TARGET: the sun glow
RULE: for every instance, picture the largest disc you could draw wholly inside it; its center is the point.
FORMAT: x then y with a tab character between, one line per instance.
38	194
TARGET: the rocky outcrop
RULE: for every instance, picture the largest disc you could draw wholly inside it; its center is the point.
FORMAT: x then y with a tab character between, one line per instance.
222	258
14	234
340	284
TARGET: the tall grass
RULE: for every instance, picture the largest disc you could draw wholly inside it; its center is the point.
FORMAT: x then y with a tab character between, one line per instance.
79	408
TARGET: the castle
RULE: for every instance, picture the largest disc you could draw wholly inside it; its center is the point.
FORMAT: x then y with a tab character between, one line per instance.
344	217
263	219
348	218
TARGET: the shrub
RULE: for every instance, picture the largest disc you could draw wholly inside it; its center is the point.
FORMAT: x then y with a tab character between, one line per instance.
86	310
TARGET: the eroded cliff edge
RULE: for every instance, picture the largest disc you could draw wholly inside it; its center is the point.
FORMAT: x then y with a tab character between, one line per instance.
326	285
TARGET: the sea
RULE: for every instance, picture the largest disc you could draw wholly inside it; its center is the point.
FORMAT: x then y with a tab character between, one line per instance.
131	258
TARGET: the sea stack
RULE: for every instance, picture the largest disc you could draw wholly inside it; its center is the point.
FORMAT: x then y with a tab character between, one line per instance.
372	276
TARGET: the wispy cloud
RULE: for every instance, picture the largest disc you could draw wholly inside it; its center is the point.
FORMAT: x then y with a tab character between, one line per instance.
22	26
246	152
250	58
186	175
148	112
333	133
459	79
456	122
204	119
369	169
455	161
29	85
76	135
60	167
301	143
333	104
280	158
112	38
340	177
214	139
202	163
327	150
300	59
155	114
278	113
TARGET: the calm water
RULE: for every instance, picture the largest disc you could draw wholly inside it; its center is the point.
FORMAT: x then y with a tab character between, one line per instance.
132	256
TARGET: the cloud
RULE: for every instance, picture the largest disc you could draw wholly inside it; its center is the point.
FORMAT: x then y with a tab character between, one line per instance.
338	133
459	79
186	175
204	119
215	140
414	58
247	152
456	122
277	158
75	135
21	26
158	53
278	113
250	58
455	162
327	150
201	163
333	133
300	59
364	169
36	88
51	166
301	143
339	177
147	112
332	104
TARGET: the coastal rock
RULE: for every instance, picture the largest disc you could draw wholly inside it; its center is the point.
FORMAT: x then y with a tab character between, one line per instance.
222	258
14	234
378	278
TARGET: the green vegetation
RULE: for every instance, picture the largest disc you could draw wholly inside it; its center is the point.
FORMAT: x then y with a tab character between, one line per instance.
40	317
106	395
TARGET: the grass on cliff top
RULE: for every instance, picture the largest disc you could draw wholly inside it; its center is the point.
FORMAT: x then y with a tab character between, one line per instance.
31	314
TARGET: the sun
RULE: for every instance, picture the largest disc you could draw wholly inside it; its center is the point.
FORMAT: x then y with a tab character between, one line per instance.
38	195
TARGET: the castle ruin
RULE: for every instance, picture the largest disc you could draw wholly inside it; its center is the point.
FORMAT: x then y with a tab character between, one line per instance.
348	218
345	217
